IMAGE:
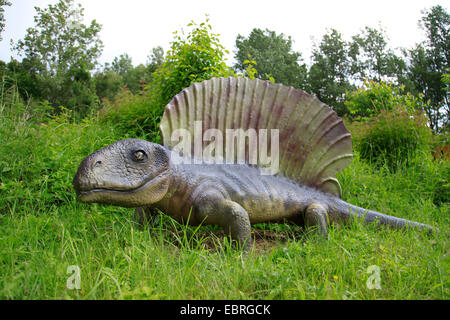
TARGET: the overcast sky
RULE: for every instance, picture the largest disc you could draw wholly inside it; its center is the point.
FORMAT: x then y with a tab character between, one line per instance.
136	26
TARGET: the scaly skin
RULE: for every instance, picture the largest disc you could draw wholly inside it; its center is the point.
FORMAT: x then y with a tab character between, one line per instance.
137	173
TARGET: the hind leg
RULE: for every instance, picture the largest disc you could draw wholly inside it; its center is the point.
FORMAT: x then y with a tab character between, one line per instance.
316	217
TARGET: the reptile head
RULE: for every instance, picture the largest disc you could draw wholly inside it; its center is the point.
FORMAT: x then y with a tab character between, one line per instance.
128	173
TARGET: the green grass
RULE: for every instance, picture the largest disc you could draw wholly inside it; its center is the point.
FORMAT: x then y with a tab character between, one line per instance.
44	230
119	260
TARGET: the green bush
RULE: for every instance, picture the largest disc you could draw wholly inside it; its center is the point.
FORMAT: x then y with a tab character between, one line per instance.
389	127
374	97
393	138
135	115
198	56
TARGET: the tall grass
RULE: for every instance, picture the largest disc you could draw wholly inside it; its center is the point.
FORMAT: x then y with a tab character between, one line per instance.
44	230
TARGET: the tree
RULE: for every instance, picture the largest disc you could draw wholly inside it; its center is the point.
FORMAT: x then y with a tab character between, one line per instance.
3	3
122	64
446	82
421	80
372	57
331	70
63	51
25	77
131	76
107	84
121	72
427	65
155	59
436	23
273	57
135	78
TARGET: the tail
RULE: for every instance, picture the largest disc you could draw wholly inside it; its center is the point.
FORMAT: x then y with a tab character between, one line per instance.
346	211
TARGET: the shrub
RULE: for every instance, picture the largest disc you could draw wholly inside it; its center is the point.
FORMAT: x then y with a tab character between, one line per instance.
198	56
391	127
393	137
135	115
374	97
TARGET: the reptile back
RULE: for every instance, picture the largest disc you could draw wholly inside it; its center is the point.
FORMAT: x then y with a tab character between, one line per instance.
264	197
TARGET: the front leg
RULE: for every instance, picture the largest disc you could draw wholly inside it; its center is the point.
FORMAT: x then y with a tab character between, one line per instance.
231	216
145	215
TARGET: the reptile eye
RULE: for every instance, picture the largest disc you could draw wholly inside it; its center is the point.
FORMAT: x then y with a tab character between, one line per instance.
140	155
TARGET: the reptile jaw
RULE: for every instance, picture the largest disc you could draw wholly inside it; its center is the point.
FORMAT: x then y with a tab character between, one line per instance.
82	193
89	189
150	192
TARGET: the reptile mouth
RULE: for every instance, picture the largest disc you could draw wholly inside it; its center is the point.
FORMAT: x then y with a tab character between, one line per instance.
86	194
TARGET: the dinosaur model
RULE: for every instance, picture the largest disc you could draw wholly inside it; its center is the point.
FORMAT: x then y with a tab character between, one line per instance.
290	177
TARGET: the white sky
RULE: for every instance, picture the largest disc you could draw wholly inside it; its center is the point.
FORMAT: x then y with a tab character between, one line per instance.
136	26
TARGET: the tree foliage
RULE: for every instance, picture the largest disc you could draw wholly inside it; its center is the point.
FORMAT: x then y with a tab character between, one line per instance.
272	56
331	70
122	64
60	40
428	63
121	72
107	84
155	59
132	77
372	58
3	3
63	51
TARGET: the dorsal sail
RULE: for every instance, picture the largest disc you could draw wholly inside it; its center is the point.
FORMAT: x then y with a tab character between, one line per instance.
314	144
